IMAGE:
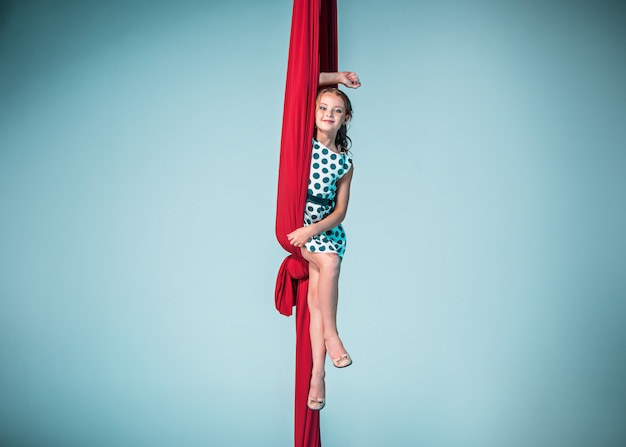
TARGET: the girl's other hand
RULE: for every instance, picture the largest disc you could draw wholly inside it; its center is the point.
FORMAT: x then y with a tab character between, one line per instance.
299	237
349	79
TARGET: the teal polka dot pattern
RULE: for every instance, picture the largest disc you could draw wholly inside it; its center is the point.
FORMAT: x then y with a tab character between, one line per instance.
323	183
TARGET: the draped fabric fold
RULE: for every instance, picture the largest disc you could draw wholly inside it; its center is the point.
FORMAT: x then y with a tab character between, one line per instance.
312	48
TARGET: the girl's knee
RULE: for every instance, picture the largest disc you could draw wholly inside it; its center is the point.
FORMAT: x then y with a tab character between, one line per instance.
329	262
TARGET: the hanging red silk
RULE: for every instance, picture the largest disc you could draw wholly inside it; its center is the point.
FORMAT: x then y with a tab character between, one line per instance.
312	48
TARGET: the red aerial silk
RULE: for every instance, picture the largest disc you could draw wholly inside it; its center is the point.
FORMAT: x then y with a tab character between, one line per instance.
312	48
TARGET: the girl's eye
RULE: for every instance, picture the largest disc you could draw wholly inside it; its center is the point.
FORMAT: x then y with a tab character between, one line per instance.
338	111
322	108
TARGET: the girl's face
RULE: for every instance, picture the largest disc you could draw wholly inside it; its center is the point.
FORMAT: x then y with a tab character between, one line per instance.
330	113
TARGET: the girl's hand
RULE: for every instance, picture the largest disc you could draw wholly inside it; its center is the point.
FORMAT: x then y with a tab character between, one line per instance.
300	236
349	79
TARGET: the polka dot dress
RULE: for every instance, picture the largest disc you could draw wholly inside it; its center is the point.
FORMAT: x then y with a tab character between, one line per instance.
326	168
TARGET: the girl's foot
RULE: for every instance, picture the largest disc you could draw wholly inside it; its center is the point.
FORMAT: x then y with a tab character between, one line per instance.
317	391
337	353
343	361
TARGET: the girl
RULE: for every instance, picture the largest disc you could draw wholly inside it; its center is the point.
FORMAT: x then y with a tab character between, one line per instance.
322	238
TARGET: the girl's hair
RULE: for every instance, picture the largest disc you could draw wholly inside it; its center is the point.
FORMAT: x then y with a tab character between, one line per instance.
342	140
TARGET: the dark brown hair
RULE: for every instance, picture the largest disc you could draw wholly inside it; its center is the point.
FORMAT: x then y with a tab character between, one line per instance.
342	140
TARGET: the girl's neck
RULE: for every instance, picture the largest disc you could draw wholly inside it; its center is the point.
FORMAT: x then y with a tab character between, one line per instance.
326	140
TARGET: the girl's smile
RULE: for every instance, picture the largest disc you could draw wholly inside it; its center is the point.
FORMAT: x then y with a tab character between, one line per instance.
330	114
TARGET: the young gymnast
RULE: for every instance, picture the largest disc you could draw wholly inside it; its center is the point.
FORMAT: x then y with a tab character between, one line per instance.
322	238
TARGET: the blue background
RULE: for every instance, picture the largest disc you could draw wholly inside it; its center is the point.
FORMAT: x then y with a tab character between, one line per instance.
483	292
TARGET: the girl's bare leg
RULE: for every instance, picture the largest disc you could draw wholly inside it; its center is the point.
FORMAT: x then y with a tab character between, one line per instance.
326	295
317	389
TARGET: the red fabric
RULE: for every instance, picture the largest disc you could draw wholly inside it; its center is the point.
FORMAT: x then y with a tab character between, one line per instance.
312	48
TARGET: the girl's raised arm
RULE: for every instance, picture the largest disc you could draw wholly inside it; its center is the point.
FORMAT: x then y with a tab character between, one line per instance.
347	78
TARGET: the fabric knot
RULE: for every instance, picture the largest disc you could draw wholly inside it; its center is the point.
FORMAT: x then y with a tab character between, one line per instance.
293	276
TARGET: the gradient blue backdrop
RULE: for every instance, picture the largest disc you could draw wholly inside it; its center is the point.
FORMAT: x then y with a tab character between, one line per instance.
483	293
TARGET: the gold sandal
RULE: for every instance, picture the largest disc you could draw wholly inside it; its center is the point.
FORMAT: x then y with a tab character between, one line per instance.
315	403
343	361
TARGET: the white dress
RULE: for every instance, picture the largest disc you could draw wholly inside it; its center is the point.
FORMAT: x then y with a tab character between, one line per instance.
326	168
